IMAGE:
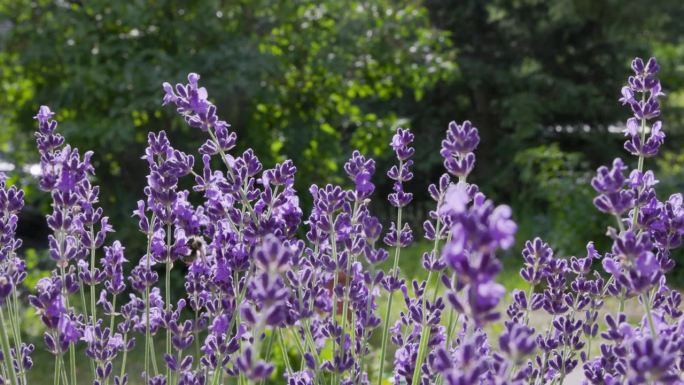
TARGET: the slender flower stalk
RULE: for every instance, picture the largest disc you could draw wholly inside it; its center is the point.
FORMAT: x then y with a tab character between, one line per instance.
6	350
167	287
141	279
336	277
459	160
643	82
399	235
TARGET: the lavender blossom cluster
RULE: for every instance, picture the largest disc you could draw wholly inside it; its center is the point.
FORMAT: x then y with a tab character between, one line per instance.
265	285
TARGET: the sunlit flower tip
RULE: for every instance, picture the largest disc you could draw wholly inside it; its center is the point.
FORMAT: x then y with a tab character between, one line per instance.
44	114
193	78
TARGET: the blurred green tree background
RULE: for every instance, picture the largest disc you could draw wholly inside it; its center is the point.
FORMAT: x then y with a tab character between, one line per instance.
312	81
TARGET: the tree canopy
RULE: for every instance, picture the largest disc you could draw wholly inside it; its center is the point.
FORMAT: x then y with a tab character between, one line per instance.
313	80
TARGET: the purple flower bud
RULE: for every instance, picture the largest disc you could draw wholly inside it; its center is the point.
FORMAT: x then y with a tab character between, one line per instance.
652	144
537	255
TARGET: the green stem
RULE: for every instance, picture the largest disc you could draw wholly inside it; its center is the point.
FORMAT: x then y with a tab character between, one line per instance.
528	310
545	360
346	293
64	373
153	358
167	279
562	375
640	163
388	310
383	344
298	344
3	370
57	371
196	333
72	347
125	356
6	350
93	288
256	345
13	310
565	354
219	368
269	348
83	300
607	285
645	298
333	242
84	304
147	303
147	333
592	310
425	331
236	315
235	319
450	325
308	339
283	349
113	315
364	338
175	374
424	336
621	226
72	362
589	339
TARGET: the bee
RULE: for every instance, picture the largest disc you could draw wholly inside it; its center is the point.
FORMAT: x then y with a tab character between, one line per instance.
198	249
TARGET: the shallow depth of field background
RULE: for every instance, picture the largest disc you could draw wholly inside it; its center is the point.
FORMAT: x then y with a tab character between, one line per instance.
312	81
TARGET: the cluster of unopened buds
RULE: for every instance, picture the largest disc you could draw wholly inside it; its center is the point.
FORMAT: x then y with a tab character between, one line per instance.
263	282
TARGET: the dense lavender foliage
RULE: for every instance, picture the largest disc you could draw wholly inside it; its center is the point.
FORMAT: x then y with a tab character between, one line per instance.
255	289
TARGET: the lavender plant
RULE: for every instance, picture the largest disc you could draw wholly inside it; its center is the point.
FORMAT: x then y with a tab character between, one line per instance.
254	288
15	357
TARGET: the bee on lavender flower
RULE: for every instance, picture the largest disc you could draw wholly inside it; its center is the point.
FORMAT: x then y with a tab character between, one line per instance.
198	249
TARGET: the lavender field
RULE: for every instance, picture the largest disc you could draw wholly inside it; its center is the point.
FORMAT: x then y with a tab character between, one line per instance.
351	193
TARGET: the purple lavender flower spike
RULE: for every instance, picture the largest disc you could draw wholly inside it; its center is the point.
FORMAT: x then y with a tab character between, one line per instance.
457	148
360	170
79	230
14	355
12	269
537	255
401	144
650	146
645	107
610	184
517	341
478	231
632	263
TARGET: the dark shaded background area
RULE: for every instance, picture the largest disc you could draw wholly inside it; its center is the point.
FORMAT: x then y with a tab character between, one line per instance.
312	81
